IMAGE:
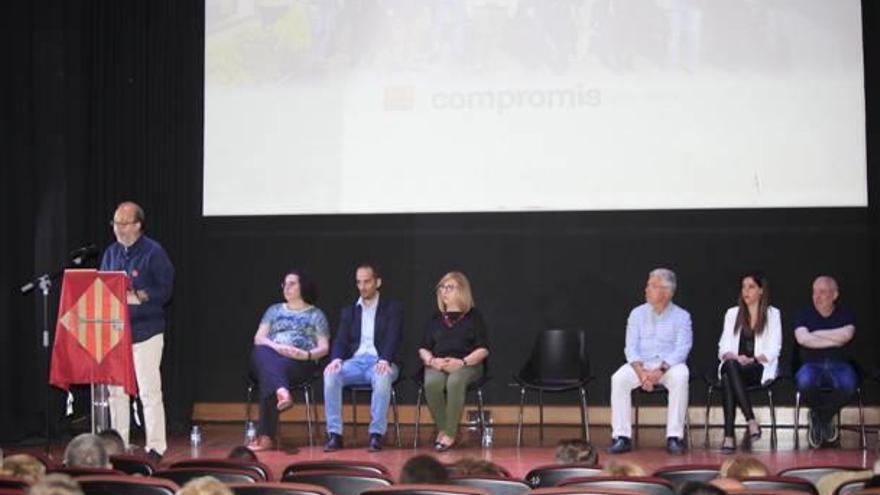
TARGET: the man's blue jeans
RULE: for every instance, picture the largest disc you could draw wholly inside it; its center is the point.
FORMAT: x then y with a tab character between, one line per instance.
359	370
827	386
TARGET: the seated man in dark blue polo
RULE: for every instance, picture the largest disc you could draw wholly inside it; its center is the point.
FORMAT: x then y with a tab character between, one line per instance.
363	353
826	380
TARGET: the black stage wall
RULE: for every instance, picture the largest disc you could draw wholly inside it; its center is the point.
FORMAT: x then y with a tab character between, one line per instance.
104	102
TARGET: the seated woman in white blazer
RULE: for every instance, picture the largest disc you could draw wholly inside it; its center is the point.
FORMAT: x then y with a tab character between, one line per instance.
749	353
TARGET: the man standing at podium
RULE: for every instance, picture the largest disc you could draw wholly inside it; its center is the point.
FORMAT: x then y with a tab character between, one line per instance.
151	277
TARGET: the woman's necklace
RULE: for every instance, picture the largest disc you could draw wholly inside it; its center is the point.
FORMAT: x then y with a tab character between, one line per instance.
450	321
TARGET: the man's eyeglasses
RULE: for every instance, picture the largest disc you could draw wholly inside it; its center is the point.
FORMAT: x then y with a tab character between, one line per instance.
114	223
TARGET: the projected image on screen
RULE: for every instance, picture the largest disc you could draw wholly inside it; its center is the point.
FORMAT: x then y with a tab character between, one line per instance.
401	106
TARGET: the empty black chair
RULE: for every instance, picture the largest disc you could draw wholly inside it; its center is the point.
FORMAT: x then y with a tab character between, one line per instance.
333	465
133	464
227	475
126	485
261	470
780	483
496	485
642	484
687	472
814	473
558	363
552	474
475	387
341	482
270	488
714	384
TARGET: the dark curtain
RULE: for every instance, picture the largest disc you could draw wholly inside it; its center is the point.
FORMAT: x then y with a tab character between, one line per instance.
103	103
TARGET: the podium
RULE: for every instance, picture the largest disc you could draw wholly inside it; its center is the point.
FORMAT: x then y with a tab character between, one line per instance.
93	338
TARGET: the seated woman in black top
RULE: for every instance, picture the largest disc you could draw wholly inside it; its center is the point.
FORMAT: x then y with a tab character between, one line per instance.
453	350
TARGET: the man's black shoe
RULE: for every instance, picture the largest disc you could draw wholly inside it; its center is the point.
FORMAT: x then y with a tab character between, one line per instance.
674	446
334	443
620	445
154	457
375	442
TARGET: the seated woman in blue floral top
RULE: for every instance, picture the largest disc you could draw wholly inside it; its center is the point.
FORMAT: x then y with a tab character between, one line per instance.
291	337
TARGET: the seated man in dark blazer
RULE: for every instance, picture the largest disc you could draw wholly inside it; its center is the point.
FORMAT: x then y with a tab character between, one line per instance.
363	352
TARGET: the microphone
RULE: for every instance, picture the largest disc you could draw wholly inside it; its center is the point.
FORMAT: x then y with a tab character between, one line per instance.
80	255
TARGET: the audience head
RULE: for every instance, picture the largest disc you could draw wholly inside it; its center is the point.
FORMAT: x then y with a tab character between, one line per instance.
699	488
471	466
628	469
576	450
454	289
56	484
298	284
24	466
205	485
825	293
424	469
242	452
660	287
86	450
113	443
742	467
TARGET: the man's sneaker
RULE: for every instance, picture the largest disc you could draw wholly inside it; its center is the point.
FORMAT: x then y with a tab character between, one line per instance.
674	446
375	444
620	445
815	436
334	443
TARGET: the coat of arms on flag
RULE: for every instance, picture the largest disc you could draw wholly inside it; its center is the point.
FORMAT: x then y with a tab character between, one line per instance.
93	333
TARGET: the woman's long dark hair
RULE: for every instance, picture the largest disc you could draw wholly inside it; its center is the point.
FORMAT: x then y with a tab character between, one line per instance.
743	318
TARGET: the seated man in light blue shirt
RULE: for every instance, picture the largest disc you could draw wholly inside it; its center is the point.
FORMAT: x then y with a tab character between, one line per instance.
658	340
363	352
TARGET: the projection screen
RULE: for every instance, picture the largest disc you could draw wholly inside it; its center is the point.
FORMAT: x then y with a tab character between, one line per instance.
407	106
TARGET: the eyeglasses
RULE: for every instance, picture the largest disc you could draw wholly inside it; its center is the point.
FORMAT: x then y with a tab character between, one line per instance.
447	287
114	223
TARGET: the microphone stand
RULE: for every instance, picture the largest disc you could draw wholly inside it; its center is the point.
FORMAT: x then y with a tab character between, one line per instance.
44	283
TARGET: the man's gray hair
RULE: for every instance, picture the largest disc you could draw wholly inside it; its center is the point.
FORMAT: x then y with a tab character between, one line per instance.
668	276
86	450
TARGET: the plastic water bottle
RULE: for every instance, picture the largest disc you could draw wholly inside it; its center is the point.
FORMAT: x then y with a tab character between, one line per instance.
488	436
250	432
195	440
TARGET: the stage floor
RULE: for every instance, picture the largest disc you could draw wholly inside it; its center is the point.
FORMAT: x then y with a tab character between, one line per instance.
219	438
